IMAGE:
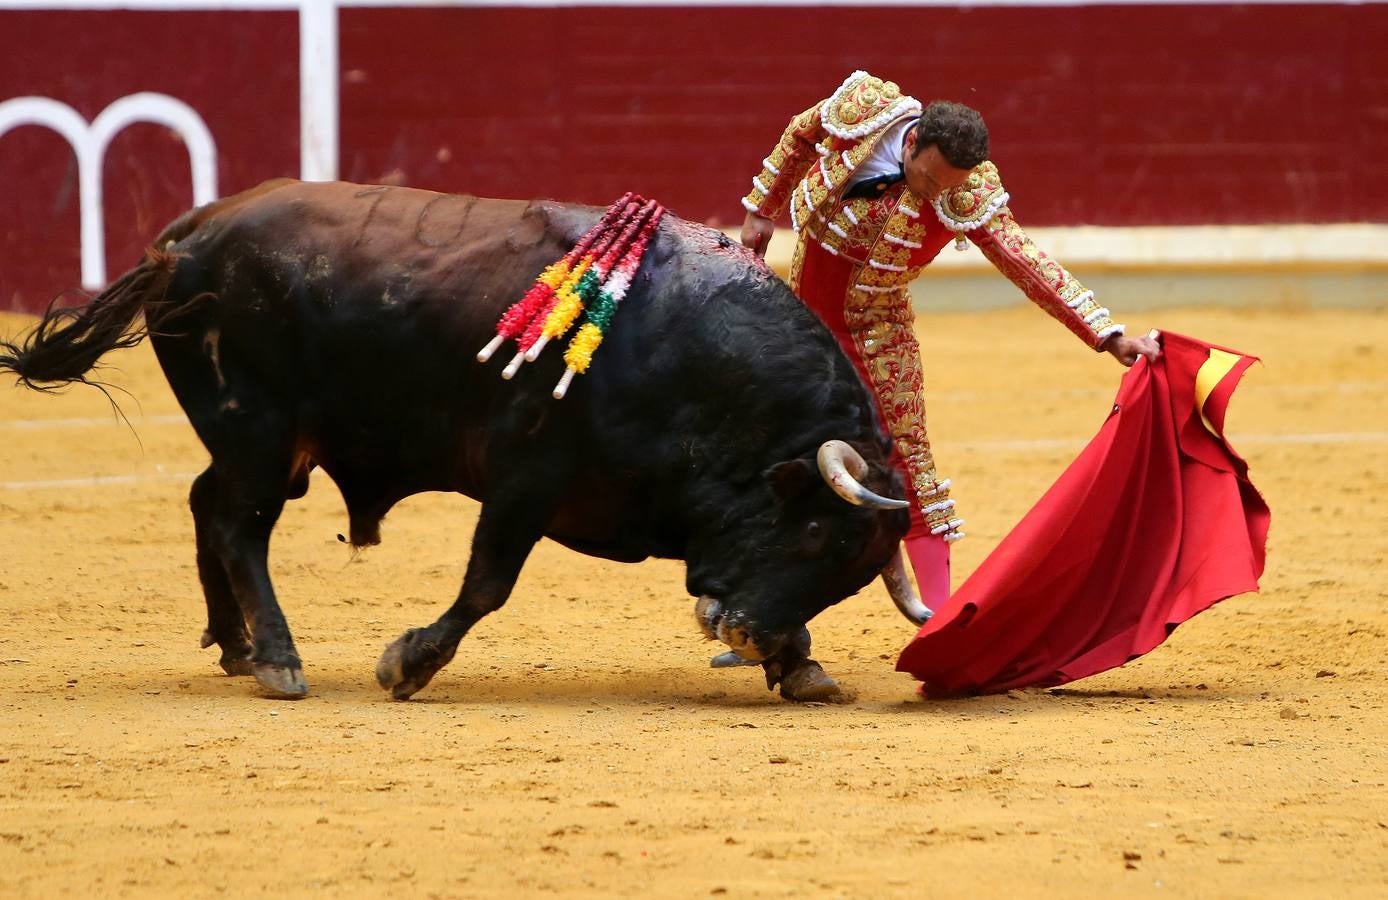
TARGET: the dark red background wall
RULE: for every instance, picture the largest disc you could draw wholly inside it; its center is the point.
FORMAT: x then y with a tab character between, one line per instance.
1111	115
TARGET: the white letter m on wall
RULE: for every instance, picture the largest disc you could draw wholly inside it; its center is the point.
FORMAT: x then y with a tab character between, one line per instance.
89	142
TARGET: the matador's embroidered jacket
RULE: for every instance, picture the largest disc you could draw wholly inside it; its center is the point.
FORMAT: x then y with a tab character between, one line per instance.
882	243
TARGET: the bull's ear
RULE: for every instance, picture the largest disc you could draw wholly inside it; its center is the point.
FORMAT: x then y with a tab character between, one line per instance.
791	477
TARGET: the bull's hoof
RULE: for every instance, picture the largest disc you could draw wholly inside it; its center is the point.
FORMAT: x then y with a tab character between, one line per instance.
809	683
281	681
236	655
233	664
410	663
390	670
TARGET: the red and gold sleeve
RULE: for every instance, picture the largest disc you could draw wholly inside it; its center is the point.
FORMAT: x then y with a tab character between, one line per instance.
788	162
1045	281
979	210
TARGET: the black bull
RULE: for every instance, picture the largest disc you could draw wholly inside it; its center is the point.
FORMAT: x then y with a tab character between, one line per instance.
335	325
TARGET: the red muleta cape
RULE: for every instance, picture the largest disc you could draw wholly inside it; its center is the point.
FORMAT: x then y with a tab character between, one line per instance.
1154	522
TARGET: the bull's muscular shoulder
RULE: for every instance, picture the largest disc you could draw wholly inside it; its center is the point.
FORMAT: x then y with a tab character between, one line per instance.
862	104
367	225
364	220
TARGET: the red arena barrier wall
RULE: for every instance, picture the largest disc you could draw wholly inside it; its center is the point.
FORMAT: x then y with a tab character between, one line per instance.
1116	115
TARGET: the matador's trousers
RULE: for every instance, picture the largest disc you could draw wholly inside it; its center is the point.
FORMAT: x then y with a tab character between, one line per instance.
875	330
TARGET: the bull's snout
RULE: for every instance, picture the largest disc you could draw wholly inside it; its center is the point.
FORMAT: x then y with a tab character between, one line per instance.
742	637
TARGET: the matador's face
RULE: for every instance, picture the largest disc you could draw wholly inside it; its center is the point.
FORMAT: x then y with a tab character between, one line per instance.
928	173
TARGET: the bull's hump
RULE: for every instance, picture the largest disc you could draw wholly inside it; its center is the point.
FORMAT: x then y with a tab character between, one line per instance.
378	220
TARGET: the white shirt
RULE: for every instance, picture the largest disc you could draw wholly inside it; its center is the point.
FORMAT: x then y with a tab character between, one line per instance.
887	156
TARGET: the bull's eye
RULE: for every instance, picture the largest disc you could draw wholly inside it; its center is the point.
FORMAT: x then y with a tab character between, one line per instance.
816	536
813	530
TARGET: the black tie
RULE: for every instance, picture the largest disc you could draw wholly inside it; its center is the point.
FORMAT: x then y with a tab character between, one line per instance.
873	187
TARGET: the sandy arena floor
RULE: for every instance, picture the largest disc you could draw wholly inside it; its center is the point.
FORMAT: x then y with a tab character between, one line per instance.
579	744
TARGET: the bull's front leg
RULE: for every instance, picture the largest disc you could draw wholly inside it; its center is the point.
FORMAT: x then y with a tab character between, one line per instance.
801	678
506	532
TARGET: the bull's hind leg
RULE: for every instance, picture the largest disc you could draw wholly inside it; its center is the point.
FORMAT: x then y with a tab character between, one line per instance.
246	515
226	626
248	426
506	532
245	495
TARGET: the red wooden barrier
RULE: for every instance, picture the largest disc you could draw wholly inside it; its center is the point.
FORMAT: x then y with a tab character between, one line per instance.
1112	115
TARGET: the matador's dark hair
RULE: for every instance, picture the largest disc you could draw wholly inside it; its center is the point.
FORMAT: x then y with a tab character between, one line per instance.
957	130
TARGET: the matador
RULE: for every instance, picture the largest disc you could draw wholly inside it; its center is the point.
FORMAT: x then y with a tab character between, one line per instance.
876	187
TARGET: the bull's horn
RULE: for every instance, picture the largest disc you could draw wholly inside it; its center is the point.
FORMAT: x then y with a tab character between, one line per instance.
903	595
841	467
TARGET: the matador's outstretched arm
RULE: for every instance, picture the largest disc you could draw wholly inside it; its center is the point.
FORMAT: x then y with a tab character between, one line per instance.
978	209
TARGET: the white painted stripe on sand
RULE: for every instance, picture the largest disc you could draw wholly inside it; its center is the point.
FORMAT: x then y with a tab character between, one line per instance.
1323	437
97	481
90	422
1344	387
1326	437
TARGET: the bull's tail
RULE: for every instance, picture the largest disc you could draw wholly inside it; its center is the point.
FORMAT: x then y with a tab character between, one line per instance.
67	343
